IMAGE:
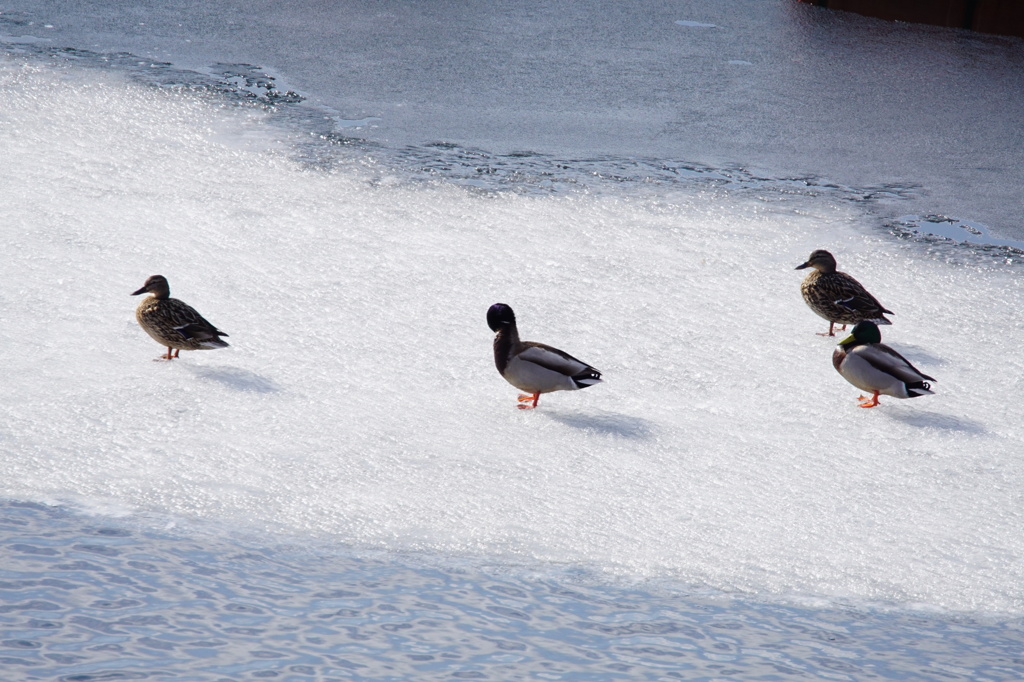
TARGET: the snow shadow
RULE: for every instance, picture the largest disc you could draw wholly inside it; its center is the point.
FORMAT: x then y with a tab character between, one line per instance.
934	420
237	379
622	425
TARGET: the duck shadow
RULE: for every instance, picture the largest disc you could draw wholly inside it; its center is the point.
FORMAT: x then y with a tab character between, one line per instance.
621	425
237	379
935	420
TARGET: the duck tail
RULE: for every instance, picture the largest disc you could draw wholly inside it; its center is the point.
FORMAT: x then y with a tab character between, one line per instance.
919	388
587	377
881	319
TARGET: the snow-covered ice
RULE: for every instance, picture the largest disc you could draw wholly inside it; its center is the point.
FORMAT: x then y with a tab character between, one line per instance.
359	404
719	500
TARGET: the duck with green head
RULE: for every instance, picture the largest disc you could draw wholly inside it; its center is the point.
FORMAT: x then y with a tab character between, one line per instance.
870	365
173	323
534	367
836	296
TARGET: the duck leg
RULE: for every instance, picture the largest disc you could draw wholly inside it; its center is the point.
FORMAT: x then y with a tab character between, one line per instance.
868	402
523	399
830	331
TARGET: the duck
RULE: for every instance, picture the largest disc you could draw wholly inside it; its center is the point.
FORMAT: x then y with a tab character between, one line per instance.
533	367
870	365
173	323
836	296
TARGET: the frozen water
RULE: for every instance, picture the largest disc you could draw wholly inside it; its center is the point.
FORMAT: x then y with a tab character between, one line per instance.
358	409
859	101
359	403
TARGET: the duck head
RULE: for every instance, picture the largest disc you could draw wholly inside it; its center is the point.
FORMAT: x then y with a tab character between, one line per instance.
500	316
156	285
821	260
864	332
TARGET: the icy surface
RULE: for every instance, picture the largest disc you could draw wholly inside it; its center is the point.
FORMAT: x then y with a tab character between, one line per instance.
349	490
359	405
856	100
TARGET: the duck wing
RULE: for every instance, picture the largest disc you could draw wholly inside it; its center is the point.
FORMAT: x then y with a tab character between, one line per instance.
559	361
851	295
190	324
885	359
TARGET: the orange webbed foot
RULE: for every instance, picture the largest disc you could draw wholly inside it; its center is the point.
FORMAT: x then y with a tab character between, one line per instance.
524	398
868	402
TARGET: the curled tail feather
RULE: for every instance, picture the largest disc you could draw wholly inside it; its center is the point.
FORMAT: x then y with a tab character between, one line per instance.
919	388
587	377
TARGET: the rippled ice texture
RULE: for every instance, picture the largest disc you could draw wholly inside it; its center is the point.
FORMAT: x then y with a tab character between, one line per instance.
102	600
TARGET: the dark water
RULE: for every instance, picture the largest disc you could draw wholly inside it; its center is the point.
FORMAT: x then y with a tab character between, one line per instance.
96	599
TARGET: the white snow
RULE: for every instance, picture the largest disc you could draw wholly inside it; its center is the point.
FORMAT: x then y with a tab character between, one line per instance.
359	404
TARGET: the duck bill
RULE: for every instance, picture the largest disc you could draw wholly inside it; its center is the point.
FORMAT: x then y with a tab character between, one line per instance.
847	340
801	267
140	291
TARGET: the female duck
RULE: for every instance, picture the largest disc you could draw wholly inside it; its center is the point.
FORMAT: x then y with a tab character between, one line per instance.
534	367
836	296
870	365
173	323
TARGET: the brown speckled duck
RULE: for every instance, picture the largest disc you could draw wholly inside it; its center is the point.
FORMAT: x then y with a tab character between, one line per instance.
870	365
173	323
836	296
534	367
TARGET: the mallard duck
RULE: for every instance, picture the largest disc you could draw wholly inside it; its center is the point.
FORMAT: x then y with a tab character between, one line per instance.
836	296
870	365
534	367
173	323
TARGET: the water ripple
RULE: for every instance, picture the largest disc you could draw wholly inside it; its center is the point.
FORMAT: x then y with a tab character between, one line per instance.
278	615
